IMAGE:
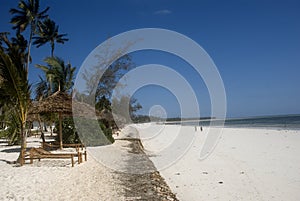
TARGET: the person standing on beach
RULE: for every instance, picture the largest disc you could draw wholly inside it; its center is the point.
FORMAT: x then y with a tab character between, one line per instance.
201	129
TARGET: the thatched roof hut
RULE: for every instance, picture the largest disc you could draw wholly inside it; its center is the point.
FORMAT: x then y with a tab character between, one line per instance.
33	112
113	119
106	114
59	102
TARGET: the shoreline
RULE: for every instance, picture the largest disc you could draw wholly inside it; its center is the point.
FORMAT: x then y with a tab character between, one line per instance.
253	127
282	122
251	164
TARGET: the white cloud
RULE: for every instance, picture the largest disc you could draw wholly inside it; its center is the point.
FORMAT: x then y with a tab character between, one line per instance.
162	12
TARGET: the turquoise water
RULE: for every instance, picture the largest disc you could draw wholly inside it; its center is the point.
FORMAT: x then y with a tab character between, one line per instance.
291	122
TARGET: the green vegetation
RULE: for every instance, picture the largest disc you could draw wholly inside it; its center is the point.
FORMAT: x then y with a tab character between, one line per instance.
107	131
28	14
59	77
16	91
14	88
48	33
15	57
69	133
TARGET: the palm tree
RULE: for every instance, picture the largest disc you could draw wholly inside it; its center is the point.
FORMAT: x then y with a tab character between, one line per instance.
48	32
18	41
11	123
15	89
42	89
28	14
59	77
58	74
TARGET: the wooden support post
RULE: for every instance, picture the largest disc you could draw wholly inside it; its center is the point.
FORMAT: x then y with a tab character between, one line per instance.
72	160
22	159
31	157
78	154
60	131
85	156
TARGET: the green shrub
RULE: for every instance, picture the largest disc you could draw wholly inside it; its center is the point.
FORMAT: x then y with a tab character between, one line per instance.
69	135
106	130
90	134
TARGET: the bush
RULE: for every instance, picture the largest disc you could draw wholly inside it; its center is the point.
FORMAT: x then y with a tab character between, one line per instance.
106	130
69	135
90	136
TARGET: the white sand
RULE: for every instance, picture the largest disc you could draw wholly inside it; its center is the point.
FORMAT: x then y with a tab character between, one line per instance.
247	164
55	179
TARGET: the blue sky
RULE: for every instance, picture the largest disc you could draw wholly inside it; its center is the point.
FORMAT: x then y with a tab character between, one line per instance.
254	44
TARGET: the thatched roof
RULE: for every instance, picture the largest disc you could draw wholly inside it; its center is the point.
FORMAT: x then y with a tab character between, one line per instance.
32	112
59	102
112	117
85	110
33	107
106	114
32	117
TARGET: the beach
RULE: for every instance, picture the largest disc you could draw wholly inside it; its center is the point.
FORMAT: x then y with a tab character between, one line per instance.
55	179
149	100
247	164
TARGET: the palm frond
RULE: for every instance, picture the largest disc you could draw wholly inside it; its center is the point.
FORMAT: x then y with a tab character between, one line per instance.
58	74
41	89
15	84
27	14
48	33
42	67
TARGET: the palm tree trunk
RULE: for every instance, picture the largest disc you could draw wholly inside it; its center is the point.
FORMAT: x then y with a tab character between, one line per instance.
51	129
45	126
29	49
60	131
52	49
23	144
29	129
41	129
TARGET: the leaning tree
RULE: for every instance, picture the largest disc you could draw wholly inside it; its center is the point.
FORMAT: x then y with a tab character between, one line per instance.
27	14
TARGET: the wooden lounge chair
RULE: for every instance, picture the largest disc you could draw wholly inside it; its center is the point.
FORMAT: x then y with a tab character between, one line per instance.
50	145
39	153
80	149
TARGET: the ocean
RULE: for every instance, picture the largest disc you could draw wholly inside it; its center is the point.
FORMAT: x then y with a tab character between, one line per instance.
290	122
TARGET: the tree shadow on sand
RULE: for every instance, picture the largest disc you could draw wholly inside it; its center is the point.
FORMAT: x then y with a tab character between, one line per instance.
8	162
11	150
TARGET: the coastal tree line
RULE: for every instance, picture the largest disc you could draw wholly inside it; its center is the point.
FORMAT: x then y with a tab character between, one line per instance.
32	27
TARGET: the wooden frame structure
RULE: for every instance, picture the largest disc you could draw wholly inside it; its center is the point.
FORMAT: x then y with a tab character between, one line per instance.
40	153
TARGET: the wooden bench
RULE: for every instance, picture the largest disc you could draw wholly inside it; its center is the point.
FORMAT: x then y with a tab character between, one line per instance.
54	145
80	149
39	153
